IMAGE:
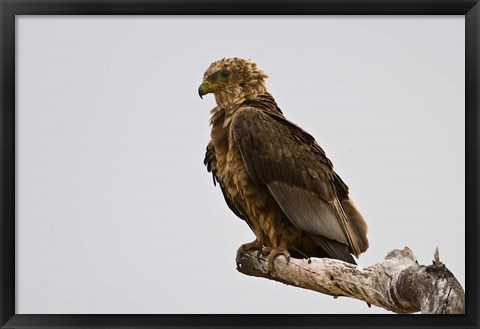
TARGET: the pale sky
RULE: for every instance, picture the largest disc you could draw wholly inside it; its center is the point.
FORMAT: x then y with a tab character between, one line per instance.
116	212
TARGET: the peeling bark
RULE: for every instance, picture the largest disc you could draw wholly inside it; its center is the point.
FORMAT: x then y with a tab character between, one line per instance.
398	284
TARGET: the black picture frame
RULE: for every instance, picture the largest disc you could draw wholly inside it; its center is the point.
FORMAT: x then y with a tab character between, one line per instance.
8	11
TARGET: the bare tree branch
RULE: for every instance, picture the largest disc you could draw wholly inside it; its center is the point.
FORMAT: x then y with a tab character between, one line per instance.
398	283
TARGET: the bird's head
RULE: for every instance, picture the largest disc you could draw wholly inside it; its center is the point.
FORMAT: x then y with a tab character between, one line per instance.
232	79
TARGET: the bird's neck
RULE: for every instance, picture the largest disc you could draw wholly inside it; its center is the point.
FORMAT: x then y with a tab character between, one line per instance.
237	94
221	116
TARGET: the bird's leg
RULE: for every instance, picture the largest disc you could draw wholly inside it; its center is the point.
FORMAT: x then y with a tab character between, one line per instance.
274	253
254	245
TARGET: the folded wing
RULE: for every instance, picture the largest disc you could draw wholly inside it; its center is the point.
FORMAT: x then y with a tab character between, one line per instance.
300	177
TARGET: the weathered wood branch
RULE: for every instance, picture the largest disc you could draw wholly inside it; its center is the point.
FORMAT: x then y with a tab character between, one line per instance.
398	284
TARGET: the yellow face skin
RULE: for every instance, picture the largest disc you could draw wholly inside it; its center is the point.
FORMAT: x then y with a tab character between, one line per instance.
213	83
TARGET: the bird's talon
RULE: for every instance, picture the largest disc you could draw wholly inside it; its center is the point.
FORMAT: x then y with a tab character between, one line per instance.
274	253
259	256
255	245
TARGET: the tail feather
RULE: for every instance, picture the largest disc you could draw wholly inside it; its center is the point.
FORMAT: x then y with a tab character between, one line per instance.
334	249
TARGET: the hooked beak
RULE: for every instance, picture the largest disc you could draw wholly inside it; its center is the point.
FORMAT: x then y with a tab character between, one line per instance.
205	88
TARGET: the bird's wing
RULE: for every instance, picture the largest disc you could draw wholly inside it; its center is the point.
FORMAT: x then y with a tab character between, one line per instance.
210	162
299	176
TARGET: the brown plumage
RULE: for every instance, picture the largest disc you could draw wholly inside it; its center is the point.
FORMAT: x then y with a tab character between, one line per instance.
273	174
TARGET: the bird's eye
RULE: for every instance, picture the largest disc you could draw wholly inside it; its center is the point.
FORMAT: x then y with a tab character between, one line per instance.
224	74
